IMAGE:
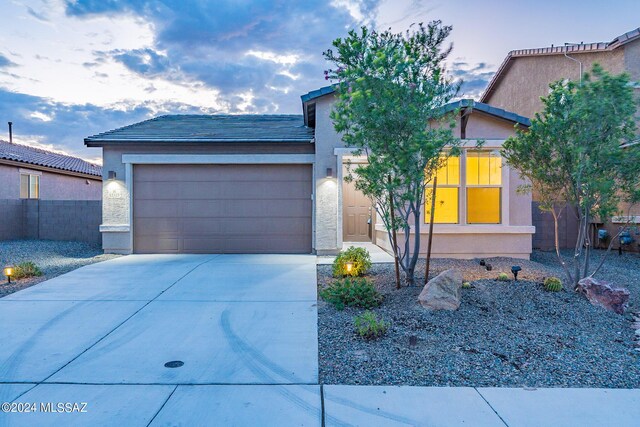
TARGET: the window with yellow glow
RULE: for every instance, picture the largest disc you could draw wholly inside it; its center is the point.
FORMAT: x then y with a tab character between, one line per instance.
484	192
447	194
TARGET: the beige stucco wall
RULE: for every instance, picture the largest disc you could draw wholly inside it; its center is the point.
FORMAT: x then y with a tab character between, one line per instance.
528	78
328	190
511	238
53	186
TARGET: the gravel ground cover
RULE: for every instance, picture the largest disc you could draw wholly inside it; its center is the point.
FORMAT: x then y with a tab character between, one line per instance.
53	257
504	333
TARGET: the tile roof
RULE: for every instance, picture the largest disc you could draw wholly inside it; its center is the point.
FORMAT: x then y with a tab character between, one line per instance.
318	93
570	49
37	156
488	109
210	128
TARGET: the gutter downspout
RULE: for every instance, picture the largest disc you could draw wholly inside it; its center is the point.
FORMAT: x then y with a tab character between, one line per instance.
566	45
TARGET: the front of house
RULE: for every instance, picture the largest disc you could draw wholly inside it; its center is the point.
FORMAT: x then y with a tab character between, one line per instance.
273	184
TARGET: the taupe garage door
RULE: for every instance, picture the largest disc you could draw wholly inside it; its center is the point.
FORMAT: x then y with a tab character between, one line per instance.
222	208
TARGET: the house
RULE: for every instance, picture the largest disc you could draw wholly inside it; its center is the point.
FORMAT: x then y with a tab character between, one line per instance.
524	77
33	173
273	183
47	195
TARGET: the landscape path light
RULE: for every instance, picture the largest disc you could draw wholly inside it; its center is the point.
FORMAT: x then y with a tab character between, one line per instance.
349	267
514	270
9	271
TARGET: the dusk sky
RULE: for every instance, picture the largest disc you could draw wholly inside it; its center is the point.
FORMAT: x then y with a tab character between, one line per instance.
73	68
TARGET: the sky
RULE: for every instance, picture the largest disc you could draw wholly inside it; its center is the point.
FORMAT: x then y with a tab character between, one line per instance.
74	68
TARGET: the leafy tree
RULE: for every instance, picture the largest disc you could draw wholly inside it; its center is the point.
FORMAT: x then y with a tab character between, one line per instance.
391	89
574	154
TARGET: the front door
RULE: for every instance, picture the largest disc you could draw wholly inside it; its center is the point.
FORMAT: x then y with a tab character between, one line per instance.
356	213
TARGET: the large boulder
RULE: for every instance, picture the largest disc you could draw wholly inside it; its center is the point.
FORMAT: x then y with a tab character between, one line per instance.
442	292
604	294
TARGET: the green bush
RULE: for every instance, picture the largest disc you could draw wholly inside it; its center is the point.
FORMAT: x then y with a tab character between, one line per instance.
552	284
368	326
352	292
360	259
25	270
503	277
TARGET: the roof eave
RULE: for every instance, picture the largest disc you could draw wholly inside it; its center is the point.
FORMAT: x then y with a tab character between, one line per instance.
96	142
37	166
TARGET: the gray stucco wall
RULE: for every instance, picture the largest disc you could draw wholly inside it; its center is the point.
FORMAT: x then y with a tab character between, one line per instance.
53	186
115	225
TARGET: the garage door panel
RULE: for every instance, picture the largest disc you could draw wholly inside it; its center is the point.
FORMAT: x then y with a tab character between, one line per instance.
157	209
222	208
157	226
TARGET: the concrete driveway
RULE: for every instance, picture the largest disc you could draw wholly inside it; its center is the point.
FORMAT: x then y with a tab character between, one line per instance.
103	333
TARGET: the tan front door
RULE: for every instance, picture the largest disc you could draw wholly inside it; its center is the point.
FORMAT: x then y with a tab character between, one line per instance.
222	208
356	213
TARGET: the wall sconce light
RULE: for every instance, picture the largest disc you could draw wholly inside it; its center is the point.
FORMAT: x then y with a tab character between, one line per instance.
112	174
329	173
8	271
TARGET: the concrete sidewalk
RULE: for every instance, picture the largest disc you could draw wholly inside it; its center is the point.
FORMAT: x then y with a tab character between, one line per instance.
331	405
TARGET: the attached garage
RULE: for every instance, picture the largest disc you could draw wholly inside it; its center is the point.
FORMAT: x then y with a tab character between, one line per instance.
222	208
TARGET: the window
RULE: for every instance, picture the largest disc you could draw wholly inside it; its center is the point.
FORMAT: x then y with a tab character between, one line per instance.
447	194
484	187
29	186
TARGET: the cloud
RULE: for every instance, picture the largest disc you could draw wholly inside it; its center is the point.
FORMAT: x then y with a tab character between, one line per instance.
6	62
268	49
475	77
44	121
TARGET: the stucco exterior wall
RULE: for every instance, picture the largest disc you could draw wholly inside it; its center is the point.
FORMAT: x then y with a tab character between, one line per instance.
328	190
528	78
116	211
53	186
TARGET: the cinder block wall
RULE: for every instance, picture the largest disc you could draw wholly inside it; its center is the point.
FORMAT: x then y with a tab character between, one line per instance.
75	220
11	219
544	238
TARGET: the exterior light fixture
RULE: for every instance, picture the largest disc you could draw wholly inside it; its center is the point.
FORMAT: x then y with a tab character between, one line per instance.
329	173
349	267
514	270
9	271
112	174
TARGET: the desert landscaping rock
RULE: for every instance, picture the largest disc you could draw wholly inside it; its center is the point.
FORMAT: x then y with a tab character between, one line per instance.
604	294
53	257
442	292
503	334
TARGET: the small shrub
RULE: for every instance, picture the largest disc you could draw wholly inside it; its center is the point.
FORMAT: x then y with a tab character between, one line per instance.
368	326
352	292
466	285
25	270
503	277
360	259
552	284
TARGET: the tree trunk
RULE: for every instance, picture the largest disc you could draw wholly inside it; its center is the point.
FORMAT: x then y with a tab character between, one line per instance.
394	238
557	244
433	209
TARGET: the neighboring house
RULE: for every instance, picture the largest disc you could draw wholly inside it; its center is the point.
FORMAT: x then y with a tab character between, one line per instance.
524	77
33	173
273	183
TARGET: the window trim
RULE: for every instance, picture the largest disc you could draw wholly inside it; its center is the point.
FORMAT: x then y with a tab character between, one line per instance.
499	186
31	177
457	186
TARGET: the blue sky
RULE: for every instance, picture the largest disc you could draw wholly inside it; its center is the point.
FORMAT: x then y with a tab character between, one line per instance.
72	68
